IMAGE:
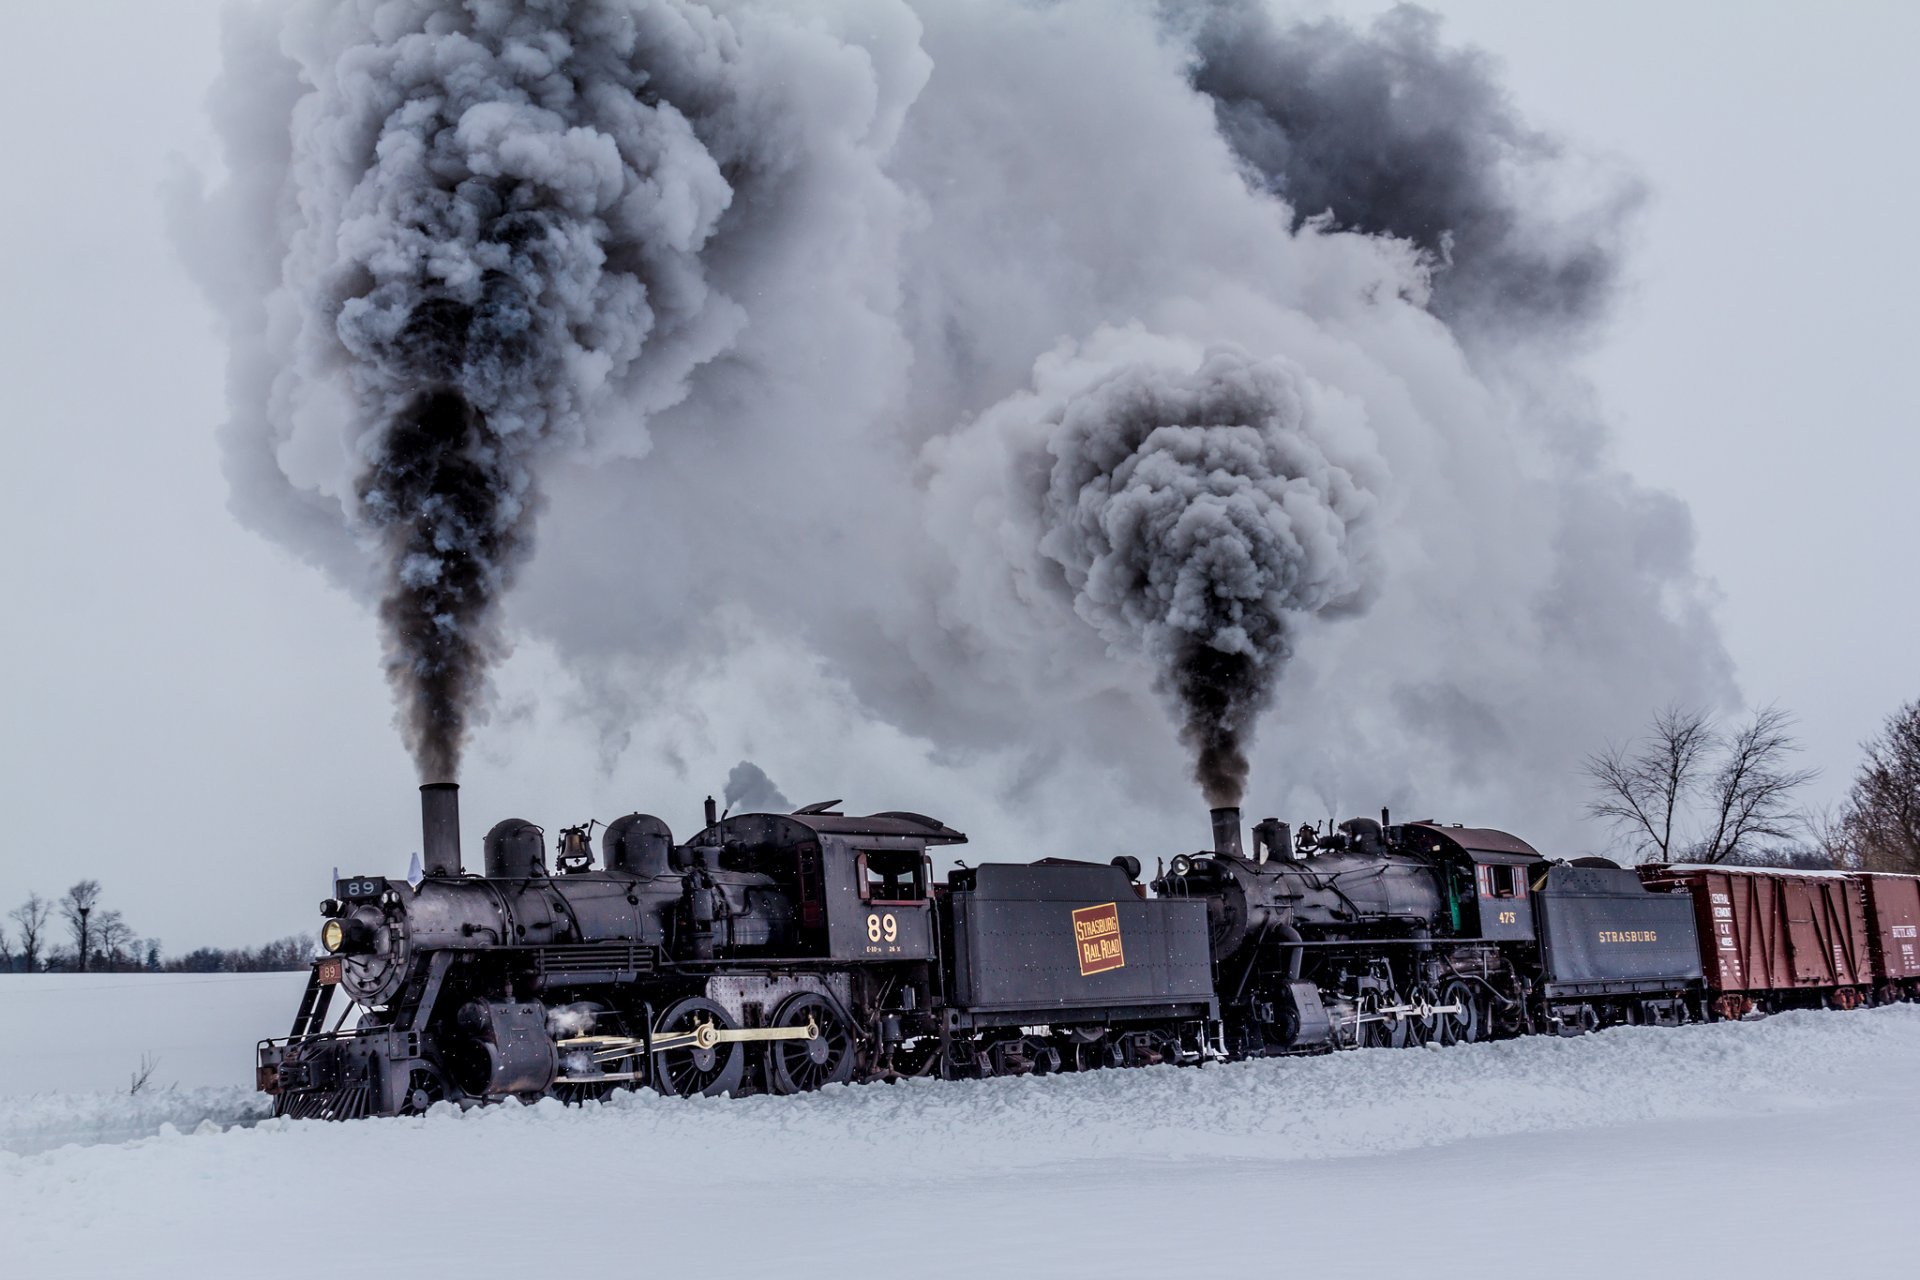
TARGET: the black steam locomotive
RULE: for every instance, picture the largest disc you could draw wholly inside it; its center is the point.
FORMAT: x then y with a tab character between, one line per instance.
1383	935
783	952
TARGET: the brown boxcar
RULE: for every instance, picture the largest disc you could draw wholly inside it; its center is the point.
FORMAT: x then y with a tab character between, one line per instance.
1775	939
1893	921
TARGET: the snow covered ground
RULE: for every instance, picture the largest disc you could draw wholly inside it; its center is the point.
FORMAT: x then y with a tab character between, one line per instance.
1782	1147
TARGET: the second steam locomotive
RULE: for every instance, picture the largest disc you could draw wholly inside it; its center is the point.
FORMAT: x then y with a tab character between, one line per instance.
782	952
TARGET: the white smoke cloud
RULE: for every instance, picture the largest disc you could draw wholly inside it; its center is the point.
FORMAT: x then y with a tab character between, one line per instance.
945	224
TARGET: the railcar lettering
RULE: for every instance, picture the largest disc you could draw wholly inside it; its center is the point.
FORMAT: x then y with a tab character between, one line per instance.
1629	935
1096	936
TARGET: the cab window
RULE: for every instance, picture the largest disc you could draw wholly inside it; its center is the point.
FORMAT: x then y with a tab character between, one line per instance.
892	876
1503	881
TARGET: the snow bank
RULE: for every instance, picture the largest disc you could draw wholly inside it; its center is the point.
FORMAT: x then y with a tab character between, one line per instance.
1629	1149
41	1122
87	1032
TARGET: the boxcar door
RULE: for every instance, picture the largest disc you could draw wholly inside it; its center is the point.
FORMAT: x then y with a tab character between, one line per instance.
1810	961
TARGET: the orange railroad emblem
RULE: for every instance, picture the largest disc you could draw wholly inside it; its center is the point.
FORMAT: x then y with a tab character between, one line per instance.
1096	935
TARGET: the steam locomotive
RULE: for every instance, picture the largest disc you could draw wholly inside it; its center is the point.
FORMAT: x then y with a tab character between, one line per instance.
783	952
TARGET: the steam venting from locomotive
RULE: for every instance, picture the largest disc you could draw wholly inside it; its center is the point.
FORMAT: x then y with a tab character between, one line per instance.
1194	514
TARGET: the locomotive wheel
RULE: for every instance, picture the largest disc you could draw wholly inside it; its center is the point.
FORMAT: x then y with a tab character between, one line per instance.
1097	1054
693	1070
1424	1029
423	1090
1384	1033
1465	1026
798	1066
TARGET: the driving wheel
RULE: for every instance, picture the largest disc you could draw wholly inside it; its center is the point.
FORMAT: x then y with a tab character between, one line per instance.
798	1066
691	1070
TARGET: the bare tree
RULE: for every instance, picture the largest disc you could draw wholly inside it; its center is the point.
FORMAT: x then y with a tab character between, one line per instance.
1750	795
1642	788
1830	843
31	917
1689	791
75	908
1883	810
113	940
6	953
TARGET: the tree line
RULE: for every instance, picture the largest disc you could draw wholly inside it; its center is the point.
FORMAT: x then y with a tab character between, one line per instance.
1692	789
75	933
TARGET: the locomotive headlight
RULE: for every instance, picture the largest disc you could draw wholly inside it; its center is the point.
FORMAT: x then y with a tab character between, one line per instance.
1181	865
333	936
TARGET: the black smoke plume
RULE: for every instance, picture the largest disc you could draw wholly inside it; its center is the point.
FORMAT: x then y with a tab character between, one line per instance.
750	790
1196	513
491	224
434	492
1389	131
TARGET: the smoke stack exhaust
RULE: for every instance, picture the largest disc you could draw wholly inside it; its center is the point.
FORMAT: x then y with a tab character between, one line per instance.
440	828
1226	832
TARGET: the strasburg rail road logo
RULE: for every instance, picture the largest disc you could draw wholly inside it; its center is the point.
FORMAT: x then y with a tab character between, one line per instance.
1096	932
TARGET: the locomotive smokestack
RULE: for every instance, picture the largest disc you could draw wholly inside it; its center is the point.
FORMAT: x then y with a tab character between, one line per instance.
440	828
1226	832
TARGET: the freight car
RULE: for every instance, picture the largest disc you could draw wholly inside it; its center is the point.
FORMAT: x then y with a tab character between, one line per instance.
1776	939
774	952
1893	937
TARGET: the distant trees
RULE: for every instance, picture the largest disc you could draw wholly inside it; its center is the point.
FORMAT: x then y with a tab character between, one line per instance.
292	952
1882	817
102	939
1689	790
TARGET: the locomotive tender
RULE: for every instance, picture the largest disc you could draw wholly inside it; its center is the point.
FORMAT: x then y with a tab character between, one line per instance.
783	952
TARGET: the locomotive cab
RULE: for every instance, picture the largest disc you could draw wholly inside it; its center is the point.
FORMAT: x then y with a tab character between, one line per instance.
859	885
1488	876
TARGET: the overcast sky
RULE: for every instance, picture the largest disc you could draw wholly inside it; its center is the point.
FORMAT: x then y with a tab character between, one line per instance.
199	721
